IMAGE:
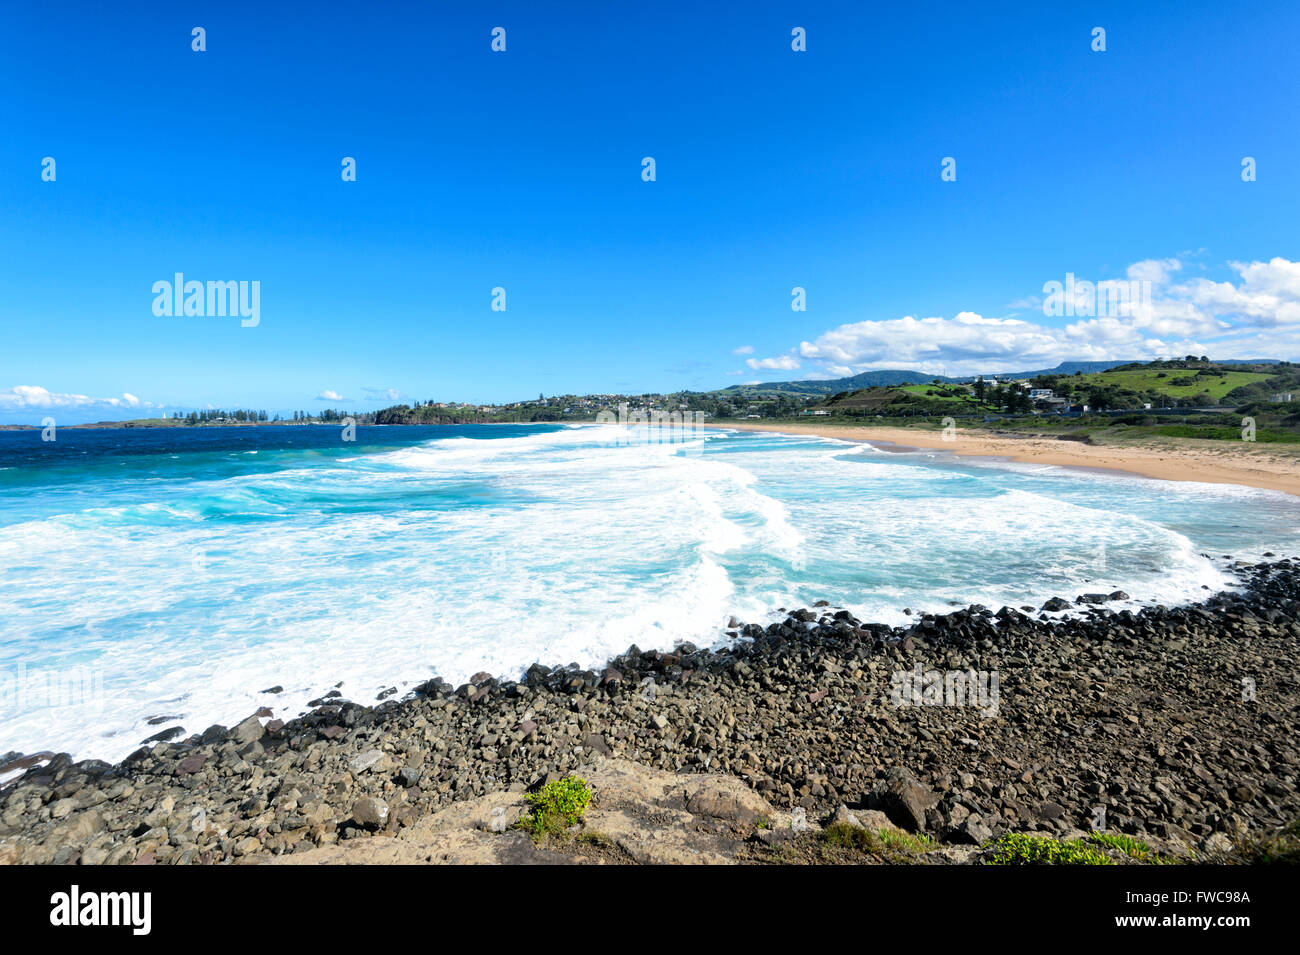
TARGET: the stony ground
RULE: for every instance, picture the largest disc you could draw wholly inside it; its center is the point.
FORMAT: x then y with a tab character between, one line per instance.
1179	726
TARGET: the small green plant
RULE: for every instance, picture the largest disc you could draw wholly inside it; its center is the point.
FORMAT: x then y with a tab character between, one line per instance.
763	823
842	835
557	806
1022	849
1133	848
906	842
887	845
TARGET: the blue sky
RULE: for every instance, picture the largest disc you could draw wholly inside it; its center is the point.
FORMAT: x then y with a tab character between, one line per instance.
522	170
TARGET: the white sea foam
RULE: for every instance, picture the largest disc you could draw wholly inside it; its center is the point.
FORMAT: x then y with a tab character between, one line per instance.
467	554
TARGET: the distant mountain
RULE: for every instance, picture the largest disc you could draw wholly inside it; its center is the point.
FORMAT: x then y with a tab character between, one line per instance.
1064	368
869	379
866	379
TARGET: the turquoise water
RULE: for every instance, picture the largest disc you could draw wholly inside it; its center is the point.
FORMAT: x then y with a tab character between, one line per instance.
177	573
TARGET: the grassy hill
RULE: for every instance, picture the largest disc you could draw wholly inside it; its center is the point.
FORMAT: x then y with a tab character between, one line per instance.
1179	385
905	401
1176	383
1182	398
887	378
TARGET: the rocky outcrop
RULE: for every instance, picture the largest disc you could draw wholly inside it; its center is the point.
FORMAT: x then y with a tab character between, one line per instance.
639	815
1180	726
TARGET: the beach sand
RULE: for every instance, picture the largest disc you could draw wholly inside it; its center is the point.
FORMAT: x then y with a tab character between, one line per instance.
1213	462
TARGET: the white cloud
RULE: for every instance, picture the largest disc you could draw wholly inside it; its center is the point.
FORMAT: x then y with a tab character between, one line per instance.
1268	296
784	363
381	394
743	350
1155	271
328	395
1255	315
36	398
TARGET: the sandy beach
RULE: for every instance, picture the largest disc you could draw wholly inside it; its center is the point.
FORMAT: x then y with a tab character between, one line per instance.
1210	462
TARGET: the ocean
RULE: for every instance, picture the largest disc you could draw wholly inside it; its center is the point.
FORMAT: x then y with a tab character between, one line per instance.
165	577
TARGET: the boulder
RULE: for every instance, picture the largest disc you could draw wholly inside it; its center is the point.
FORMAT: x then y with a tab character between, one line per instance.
905	800
247	731
370	813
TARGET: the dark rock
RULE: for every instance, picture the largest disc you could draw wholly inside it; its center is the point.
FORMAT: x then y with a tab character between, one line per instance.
370	813
191	764
165	735
904	800
247	731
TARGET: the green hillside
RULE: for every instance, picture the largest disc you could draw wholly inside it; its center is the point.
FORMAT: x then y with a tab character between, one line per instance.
906	401
1175	383
1180	398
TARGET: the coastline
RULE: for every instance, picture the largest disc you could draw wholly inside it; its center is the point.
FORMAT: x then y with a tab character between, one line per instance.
1198	461
1210	462
768	744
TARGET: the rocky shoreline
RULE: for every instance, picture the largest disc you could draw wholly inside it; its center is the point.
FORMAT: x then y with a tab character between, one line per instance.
1179	726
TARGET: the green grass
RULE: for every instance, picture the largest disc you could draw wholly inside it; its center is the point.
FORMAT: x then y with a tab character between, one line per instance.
1215	433
888	845
841	835
1021	849
1133	848
897	839
924	391
559	805
1176	381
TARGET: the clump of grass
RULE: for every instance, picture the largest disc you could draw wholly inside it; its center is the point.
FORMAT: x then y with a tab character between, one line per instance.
897	839
1022	849
557	806
1133	848
842	835
1278	848
889	845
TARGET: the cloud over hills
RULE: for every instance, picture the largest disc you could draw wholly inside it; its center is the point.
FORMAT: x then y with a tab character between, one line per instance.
1255	314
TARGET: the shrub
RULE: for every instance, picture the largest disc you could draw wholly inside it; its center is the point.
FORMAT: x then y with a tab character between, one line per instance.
1021	849
557	806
